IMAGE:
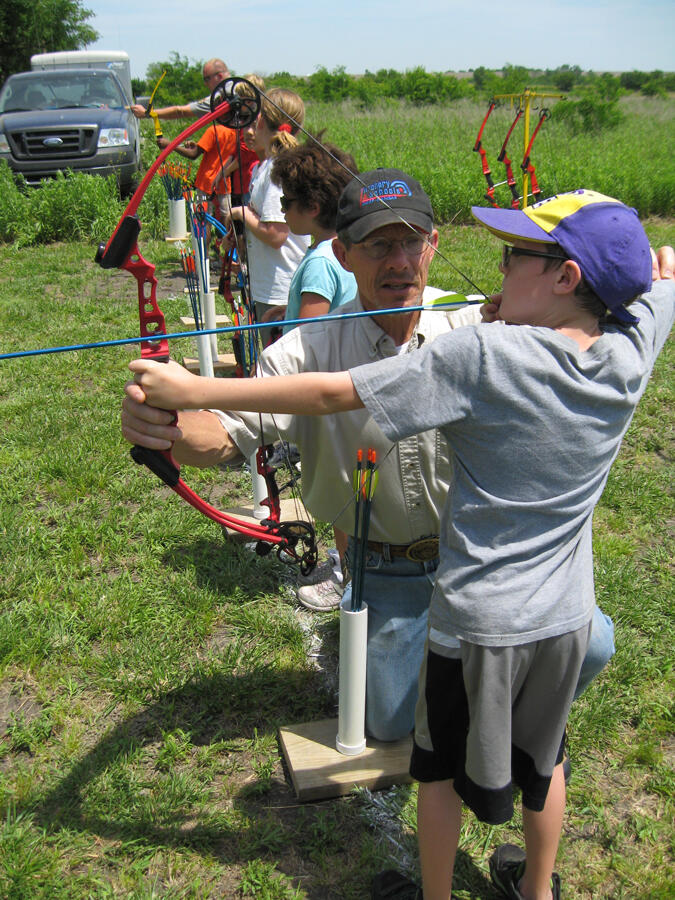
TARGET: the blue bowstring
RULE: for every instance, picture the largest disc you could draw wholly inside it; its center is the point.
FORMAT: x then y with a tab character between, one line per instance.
230	329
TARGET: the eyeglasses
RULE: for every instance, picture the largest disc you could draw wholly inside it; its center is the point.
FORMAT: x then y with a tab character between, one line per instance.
286	202
508	251
220	75
380	248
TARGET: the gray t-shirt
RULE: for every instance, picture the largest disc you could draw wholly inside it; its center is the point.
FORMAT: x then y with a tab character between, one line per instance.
200	107
535	424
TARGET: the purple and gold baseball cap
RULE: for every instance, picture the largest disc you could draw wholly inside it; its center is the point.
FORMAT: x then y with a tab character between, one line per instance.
602	235
382	197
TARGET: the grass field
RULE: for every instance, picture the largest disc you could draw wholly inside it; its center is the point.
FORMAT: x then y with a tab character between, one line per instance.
146	663
632	161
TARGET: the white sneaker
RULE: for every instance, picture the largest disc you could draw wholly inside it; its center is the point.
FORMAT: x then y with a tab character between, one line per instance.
321	597
324	570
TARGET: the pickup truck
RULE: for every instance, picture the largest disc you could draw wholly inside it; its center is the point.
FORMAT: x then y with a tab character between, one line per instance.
64	118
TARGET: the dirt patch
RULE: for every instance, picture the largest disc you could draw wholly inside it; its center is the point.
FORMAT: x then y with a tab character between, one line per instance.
17	703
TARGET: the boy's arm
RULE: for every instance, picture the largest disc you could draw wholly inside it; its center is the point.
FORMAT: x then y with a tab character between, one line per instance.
312	304
230	165
188	149
170	386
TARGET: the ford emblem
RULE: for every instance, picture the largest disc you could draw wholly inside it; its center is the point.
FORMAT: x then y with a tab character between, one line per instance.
52	142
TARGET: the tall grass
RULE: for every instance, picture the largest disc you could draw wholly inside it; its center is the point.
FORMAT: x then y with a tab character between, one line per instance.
632	161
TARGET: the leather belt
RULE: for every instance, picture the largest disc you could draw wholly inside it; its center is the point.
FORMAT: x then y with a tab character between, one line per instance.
423	550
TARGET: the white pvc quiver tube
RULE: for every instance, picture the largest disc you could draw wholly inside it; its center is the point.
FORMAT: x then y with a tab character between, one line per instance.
177	228
209	311
259	490
204	349
351	736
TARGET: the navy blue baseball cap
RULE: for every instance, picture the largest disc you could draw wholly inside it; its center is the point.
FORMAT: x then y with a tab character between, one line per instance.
382	197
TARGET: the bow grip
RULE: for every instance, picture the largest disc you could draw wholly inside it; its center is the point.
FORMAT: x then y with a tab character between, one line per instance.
120	245
158	463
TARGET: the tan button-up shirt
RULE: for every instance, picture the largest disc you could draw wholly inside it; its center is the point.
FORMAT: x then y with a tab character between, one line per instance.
414	473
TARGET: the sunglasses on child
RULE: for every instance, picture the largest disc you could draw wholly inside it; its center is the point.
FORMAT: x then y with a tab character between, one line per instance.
508	251
286	202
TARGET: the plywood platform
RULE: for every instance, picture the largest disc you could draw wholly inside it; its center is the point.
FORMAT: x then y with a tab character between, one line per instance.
221	319
318	771
226	363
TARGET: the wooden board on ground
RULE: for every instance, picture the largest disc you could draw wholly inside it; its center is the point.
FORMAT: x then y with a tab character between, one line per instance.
226	363
318	771
221	319
290	511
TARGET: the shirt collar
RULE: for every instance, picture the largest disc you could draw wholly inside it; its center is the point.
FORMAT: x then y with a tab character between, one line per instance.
382	343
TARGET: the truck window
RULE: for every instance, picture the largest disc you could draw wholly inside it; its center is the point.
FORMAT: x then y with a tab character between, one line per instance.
60	90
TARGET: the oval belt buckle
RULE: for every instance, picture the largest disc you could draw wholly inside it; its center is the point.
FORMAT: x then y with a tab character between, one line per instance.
423	550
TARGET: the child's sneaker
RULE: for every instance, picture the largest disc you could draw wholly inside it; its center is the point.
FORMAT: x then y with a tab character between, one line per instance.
330	566
507	865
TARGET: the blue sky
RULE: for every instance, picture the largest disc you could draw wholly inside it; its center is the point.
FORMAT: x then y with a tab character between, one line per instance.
267	36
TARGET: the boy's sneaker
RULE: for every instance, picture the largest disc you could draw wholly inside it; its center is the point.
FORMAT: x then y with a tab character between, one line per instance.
507	865
321	597
283	454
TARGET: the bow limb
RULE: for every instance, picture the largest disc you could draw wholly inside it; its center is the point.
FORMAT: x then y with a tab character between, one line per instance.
478	148
150	111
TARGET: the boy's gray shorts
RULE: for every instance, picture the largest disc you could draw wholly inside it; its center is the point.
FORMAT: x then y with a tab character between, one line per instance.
490	716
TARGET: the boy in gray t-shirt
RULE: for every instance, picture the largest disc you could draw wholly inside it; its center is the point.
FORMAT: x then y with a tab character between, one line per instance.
535	415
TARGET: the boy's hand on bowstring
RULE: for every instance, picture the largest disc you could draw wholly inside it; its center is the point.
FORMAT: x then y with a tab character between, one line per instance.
490	310
663	264
166	385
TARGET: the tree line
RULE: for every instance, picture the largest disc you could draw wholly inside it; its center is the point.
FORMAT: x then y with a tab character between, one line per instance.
184	79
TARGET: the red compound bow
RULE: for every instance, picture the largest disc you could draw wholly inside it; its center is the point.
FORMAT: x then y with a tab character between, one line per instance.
294	541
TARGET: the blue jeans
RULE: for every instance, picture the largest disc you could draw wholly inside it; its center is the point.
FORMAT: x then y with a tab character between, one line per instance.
599	652
397	592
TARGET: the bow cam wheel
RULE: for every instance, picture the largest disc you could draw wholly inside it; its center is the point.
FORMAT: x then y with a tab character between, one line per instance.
244	103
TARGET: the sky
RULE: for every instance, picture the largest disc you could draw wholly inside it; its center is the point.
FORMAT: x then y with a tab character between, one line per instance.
267	36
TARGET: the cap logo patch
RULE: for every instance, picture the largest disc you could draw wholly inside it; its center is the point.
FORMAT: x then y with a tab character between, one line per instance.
384	190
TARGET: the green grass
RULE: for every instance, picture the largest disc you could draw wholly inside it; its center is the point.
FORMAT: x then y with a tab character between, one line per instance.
146	663
631	161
